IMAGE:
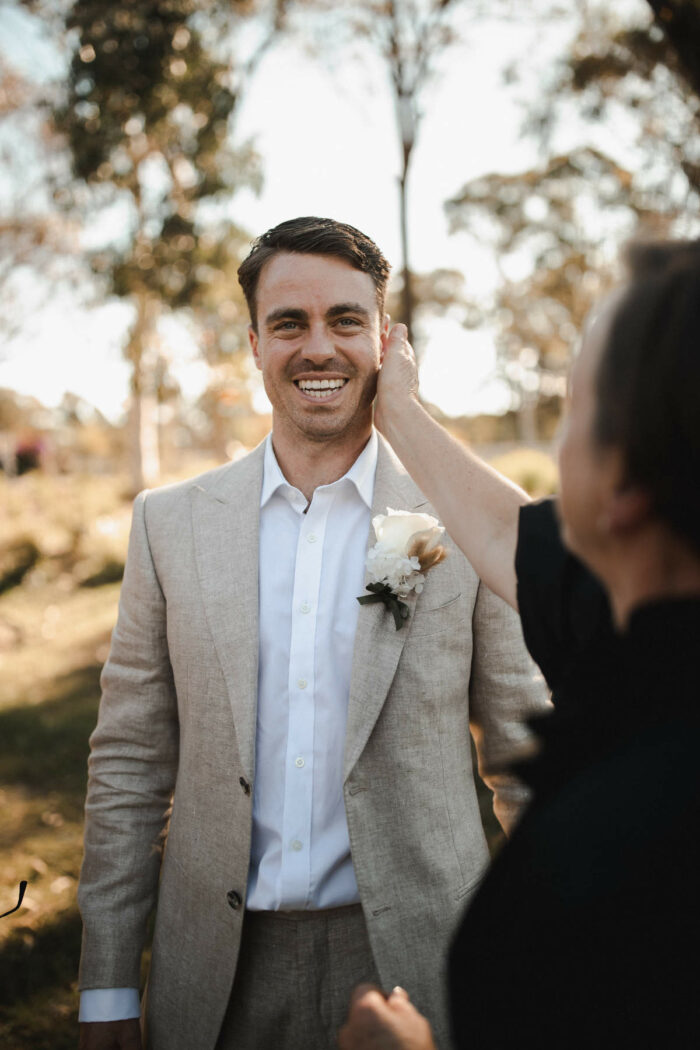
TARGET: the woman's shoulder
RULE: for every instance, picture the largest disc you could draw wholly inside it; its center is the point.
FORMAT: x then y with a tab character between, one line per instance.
564	610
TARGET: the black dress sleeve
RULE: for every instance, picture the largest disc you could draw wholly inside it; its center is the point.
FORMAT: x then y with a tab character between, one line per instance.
564	610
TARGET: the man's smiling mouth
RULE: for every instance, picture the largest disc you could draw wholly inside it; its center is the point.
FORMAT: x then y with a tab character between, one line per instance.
320	389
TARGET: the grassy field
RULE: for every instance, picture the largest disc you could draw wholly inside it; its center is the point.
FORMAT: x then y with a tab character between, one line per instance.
54	635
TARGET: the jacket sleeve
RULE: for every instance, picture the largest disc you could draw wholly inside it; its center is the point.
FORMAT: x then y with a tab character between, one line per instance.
131	777
505	689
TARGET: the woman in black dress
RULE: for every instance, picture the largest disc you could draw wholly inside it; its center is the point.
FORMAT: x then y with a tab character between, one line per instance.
586	930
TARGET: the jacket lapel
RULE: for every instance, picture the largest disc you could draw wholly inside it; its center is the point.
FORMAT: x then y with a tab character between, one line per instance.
378	645
226	524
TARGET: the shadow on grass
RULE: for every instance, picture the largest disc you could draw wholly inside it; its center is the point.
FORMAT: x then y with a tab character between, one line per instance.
38	1000
43	750
32	961
44	747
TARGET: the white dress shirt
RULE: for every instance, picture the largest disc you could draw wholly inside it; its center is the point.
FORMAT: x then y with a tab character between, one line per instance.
311	571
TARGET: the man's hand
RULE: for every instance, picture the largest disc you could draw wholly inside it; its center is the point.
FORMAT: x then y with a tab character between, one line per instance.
378	1023
110	1035
397	385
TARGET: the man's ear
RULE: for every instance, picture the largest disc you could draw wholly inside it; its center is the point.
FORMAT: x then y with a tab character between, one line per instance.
253	340
384	335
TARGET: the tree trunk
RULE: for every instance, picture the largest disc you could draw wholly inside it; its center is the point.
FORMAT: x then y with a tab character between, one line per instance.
407	289
144	461
527	417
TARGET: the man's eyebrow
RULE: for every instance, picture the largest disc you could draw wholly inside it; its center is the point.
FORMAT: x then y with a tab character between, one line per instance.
347	308
289	313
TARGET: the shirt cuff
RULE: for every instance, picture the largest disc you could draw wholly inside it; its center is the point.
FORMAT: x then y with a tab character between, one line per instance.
109	1004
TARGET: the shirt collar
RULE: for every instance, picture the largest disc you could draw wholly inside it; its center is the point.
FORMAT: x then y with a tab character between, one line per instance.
361	473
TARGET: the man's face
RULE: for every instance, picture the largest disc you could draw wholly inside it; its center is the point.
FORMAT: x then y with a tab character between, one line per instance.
318	345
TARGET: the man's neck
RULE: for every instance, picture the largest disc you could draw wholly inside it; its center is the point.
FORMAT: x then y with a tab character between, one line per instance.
308	464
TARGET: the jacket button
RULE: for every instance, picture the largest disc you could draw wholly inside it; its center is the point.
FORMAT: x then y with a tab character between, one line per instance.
234	899
244	784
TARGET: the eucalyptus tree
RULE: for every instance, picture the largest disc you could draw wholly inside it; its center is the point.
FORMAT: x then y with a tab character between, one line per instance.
548	240
38	244
410	37
554	230
150	98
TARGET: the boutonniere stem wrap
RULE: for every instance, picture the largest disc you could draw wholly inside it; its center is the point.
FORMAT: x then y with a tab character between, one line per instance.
408	546
382	592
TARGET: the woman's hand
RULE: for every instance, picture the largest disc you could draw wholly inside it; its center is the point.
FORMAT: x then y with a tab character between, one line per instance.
397	384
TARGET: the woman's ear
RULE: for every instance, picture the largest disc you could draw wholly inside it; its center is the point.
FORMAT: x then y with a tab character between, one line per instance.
629	508
624	505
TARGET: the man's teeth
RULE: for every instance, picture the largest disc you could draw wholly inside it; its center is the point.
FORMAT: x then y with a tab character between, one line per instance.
320	387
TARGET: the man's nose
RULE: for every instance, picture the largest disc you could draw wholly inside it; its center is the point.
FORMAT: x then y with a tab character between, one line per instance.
318	346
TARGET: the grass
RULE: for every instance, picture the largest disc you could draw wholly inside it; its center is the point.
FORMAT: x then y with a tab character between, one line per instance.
48	707
54	638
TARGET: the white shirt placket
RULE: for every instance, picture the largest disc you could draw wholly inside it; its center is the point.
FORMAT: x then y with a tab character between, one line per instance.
299	771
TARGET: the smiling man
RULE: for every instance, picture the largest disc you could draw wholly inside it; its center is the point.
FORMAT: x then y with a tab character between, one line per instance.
308	762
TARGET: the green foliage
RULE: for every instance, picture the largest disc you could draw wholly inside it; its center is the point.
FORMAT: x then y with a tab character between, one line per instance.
147	116
550	216
554	230
630	69
147	119
134	65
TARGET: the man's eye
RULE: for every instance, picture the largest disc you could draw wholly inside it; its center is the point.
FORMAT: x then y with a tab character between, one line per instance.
347	322
287	326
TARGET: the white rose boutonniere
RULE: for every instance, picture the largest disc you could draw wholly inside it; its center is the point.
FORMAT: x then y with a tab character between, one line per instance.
407	546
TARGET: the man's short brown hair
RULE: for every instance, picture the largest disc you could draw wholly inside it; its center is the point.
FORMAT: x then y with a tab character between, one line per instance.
313	236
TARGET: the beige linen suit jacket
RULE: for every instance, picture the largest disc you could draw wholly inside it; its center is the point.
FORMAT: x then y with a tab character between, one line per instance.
168	813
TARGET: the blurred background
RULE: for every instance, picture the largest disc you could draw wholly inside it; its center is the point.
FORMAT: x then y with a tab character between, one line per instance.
498	152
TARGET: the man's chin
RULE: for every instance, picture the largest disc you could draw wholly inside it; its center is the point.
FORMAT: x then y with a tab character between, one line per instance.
328	426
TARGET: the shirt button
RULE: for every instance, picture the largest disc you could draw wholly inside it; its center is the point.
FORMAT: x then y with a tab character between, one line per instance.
299	763
296	845
302	683
305	607
311	538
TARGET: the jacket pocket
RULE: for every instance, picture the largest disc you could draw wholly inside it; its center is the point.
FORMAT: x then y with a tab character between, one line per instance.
438	619
471	886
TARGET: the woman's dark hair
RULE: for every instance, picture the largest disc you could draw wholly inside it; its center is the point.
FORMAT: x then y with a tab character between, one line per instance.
311	235
648	381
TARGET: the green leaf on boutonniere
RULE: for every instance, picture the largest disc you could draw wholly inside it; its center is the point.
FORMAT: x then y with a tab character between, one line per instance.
381	592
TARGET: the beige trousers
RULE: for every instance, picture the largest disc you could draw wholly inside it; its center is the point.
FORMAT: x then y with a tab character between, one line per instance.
295	973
